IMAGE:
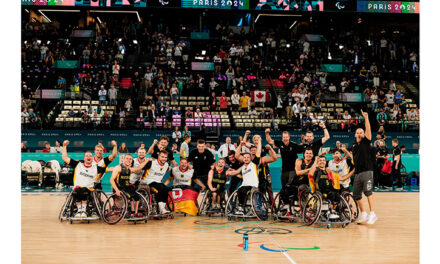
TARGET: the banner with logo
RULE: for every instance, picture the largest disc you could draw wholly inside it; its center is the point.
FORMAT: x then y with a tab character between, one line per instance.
185	201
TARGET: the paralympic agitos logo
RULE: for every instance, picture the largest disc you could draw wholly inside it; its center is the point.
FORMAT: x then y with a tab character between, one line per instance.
339	5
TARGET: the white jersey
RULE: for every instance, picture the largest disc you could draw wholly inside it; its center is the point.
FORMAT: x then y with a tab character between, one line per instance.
342	169
85	176
135	177
103	162
182	178
154	172
98	163
250	175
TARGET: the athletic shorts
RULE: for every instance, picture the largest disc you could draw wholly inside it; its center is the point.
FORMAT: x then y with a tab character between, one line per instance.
363	183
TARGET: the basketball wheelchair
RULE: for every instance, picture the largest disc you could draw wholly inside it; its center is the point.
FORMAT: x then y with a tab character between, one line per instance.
116	208
206	205
292	210
95	203
329	208
150	196
255	205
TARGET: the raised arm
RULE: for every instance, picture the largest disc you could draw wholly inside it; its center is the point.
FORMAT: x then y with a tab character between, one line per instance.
114	151
64	156
326	134
258	145
272	155
232	172
268	138
367	125
246	134
238	156
151	149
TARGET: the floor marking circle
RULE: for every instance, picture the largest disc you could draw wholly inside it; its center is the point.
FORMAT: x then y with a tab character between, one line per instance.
271	250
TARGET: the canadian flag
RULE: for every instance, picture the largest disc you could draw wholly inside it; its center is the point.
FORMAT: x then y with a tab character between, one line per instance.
259	96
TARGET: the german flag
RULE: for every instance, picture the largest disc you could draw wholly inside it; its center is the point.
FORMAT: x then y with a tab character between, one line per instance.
185	201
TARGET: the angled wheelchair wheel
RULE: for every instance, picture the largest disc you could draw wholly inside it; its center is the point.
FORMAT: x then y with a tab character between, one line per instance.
312	209
170	203
344	210
65	209
279	208
99	198
115	208
147	195
353	205
260	206
303	198
232	203
205	204
144	205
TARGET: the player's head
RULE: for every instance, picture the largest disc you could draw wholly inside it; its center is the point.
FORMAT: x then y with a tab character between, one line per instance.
128	159
360	134
256	139
247	158
308	154
88	158
309	137
163	142
395	142
336	153
99	149
183	164
163	156
322	162
201	145
221	163
285	137
231	156
253	150
141	153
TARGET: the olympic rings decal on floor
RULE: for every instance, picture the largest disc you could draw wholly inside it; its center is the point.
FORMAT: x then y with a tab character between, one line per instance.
282	249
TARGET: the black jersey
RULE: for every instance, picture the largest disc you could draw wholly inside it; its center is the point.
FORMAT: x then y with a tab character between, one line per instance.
303	179
123	177
321	179
219	179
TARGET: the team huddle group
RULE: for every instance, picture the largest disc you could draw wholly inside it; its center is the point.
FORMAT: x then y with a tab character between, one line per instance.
244	167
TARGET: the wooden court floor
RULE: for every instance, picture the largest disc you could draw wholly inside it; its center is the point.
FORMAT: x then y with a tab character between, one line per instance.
393	239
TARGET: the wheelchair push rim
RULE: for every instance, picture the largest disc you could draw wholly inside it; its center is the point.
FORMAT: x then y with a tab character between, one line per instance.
260	206
312	210
115	208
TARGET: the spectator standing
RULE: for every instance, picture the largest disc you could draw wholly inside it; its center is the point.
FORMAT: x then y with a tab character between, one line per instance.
224	149
102	95
112	94
223	102
184	147
235	100
244	102
212	102
128	106
177	135
397	165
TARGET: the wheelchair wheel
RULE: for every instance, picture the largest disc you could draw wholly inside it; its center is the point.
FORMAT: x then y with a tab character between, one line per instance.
170	203
65	209
115	208
344	210
278	208
206	202
353	205
144	205
312	209
303	198
146	194
260	206
232	203
99	198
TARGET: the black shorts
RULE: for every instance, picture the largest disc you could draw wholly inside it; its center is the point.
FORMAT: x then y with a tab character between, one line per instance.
220	190
81	194
130	192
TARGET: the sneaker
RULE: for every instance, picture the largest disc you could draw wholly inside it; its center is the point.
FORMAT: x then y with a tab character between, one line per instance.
239	211
399	189
372	218
138	215
363	218
162	209
388	187
77	215
333	216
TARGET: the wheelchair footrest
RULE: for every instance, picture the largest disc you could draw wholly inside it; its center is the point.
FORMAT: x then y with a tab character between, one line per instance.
90	218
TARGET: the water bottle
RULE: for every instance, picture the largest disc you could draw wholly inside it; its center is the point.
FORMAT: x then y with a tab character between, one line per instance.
245	242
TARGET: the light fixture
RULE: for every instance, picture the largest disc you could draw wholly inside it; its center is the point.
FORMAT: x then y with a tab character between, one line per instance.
293	24
288	45
203	52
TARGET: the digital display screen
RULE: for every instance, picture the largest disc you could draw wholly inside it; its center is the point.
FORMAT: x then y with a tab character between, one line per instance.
291	5
93	3
392	7
216	4
202	66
